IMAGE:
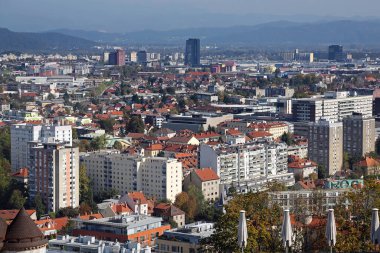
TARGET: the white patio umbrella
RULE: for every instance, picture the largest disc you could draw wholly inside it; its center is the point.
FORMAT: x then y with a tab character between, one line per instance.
375	226
331	229
242	231
286	231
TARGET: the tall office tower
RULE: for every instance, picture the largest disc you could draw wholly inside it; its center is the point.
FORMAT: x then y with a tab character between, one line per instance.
142	56
106	57
117	58
358	135
120	57
133	56
54	174
21	134
157	177
193	53
336	53
112	58
326	144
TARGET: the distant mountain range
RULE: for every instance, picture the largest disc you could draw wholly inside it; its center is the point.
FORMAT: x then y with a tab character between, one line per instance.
273	33
41	42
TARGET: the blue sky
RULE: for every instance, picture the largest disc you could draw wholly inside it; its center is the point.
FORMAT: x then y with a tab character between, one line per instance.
132	15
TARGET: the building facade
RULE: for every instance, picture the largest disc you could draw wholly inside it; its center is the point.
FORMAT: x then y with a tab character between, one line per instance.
359	135
54	174
335	106
237	163
326	145
155	176
193	53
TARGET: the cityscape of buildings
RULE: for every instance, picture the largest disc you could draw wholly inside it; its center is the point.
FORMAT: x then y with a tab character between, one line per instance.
142	149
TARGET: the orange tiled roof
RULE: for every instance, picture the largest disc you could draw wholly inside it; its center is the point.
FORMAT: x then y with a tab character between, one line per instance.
258	134
206	174
138	196
23	172
154	147
368	162
121	208
206	135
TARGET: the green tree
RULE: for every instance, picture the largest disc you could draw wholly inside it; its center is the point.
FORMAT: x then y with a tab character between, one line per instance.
98	143
39	205
84	185
68	212
117	145
17	200
107	125
135	125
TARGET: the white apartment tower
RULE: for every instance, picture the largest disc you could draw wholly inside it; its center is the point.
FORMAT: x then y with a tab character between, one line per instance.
157	177
21	134
54	174
238	163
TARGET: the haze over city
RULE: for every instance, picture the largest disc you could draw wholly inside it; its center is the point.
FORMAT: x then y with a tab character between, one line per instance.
134	15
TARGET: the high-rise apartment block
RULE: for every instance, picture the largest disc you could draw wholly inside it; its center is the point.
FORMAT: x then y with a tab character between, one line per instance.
244	162
193	53
156	176
333	106
326	144
359	135
54	174
21	134
117	57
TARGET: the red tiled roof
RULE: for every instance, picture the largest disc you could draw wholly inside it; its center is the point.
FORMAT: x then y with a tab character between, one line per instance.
138	196
23	172
155	147
368	162
121	208
206	135
206	174
91	216
233	132
258	134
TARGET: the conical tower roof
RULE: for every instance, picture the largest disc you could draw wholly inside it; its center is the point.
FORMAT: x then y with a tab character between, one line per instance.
23	234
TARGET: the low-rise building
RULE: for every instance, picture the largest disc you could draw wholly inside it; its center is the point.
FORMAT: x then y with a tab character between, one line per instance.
90	244
185	240
170	213
205	180
133	228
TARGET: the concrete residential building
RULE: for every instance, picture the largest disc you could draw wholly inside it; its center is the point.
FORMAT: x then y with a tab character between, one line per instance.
248	162
334	106
21	134
54	174
157	177
359	135
205	180
326	145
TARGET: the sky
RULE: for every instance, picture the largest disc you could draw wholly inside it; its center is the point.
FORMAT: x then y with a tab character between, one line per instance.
135	15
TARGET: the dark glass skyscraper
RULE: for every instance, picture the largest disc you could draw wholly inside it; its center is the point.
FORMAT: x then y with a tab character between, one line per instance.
193	53
336	53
